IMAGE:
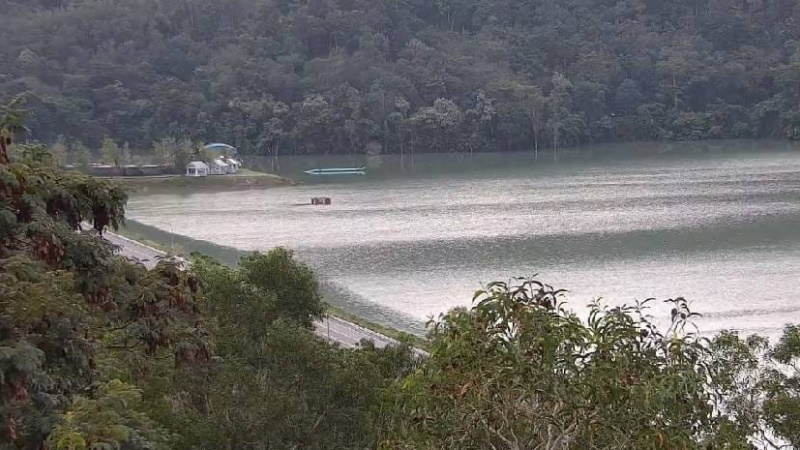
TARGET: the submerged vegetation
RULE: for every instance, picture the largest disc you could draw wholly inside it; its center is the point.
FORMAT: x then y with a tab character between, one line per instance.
400	76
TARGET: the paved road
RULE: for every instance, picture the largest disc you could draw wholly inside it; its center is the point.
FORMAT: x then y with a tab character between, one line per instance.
346	334
135	250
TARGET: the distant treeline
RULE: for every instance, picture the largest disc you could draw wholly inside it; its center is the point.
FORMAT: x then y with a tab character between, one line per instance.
400	76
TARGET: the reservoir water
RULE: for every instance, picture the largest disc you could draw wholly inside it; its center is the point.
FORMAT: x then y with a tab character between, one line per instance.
719	225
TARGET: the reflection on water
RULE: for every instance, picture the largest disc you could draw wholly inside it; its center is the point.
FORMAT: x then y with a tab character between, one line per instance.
720	228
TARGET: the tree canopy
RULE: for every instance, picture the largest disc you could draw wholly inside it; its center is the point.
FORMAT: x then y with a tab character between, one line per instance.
70	309
521	371
341	76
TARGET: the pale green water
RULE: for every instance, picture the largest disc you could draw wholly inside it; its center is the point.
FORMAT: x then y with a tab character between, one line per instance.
722	229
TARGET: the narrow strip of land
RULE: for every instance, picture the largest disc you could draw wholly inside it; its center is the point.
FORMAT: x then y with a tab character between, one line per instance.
334	329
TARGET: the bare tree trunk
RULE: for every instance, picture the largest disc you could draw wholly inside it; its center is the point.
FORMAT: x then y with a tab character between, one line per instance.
400	138
535	125
413	149
675	91
555	143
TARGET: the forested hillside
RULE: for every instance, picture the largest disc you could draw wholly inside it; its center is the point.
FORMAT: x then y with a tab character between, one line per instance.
349	76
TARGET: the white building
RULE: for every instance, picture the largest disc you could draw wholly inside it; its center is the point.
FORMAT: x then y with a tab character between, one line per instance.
197	169
218	167
233	165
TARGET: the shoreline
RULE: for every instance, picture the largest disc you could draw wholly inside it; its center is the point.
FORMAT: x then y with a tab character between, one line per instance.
245	179
336	307
330	326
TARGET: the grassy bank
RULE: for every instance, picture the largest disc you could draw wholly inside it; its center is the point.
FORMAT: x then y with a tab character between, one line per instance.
170	248
398	335
184	246
244	179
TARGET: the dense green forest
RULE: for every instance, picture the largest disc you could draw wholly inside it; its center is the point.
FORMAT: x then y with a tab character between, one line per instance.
352	76
101	353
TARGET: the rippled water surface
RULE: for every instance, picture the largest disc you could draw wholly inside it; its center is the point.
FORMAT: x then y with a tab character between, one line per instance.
722	230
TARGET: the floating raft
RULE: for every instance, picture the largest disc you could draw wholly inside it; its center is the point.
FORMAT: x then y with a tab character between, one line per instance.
321	201
339	171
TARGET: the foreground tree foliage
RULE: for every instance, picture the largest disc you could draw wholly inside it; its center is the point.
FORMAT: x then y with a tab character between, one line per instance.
97	352
280	386
519	371
322	76
69	308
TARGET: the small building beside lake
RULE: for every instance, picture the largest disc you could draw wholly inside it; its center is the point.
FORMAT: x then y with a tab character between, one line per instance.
212	159
197	169
217	167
